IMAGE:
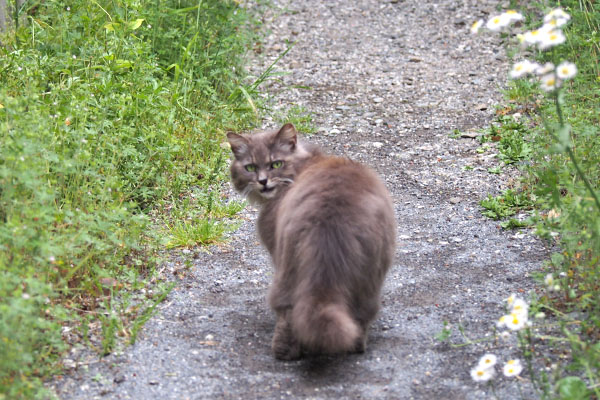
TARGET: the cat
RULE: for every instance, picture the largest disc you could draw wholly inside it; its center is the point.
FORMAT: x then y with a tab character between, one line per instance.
329	225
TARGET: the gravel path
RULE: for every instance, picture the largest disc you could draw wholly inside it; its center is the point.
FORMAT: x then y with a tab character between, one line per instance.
388	82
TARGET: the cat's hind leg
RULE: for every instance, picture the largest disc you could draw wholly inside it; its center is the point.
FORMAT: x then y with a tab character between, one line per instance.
284	345
361	344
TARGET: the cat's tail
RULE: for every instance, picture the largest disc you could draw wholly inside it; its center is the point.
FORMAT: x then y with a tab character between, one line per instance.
325	327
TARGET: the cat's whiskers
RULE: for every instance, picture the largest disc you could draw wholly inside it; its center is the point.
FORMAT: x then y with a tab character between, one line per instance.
286	180
247	190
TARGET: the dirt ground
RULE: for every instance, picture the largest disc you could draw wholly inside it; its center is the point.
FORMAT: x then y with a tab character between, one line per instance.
387	82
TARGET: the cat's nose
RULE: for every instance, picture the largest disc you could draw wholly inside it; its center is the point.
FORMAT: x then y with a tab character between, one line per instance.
263	181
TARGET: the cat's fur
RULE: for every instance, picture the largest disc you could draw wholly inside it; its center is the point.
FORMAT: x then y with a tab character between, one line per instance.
329	225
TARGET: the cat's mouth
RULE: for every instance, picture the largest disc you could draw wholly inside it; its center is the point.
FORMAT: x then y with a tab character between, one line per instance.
268	192
266	189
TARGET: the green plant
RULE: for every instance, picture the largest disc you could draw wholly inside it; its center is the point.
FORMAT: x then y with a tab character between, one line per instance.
508	203
524	324
455	134
109	111
192	233
301	118
511	136
564	175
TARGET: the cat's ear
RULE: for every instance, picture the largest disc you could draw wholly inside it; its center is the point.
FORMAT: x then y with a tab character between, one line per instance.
287	137
238	143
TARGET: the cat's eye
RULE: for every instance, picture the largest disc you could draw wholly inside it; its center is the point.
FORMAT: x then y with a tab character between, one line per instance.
277	164
250	167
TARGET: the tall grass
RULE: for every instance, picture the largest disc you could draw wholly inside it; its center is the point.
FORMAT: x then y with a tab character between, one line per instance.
562	179
108	110
566	172
567	181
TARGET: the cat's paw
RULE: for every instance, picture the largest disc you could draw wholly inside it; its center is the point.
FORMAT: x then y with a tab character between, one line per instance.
287	353
361	345
285	347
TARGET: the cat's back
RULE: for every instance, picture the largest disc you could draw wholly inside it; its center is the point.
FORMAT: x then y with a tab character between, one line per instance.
338	192
347	183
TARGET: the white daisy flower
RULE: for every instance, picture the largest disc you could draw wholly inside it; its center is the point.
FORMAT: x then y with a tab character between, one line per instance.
505	335
515	321
520	307
533	37
566	70
501	323
523	68
498	22
544	69
476	26
510	299
481	374
549	83
557	22
551	38
557	13
513	15
488	360
512	368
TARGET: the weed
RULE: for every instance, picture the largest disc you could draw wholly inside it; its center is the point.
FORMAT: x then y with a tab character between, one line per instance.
145	315
563	176
192	233
109	110
513	223
508	203
301	118
495	170
510	134
455	134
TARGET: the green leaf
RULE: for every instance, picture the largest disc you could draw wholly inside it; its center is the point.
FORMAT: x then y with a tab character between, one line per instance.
133	25
557	259
110	27
572	388
564	135
122	64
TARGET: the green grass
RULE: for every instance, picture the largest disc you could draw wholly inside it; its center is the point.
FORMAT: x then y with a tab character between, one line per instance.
301	118
564	168
111	113
193	233
562	146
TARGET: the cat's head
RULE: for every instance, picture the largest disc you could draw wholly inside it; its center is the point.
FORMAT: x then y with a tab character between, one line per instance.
265	162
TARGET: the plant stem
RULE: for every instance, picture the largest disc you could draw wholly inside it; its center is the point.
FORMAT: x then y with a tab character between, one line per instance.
571	154
558	109
587	183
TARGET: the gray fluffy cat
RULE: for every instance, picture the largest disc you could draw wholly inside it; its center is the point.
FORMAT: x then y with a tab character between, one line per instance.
329	225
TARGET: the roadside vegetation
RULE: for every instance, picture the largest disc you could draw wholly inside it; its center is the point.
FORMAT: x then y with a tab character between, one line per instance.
112	118
550	128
